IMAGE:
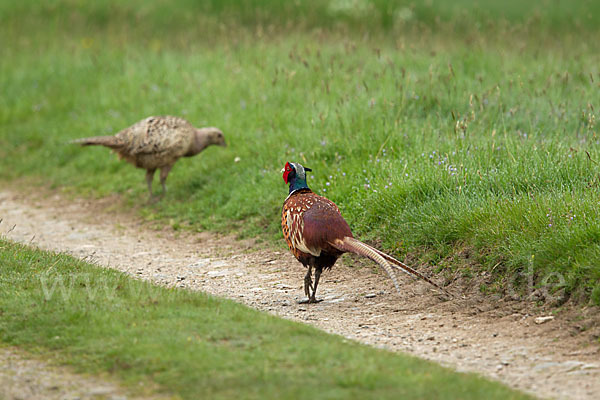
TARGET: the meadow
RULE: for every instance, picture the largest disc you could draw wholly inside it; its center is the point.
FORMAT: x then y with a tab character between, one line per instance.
460	133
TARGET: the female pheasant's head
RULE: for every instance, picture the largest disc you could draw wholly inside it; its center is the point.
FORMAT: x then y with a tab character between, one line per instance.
294	174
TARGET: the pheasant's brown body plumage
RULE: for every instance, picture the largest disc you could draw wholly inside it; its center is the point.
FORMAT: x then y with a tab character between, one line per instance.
310	223
318	235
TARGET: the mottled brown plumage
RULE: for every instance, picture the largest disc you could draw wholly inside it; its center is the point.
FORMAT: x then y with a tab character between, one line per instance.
157	143
318	235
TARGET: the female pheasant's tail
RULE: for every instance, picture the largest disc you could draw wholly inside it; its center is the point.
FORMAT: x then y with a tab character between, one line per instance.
106	141
387	262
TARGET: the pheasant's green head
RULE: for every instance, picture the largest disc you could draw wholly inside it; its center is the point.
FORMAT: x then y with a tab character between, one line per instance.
294	174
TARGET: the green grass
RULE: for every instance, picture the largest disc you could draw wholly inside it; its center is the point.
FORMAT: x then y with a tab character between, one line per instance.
436	127
197	346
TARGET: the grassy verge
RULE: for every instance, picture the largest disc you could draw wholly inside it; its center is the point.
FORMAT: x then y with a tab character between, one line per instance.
197	346
435	127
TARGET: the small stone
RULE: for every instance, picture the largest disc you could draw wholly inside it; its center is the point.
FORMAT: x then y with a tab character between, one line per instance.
542	320
545	365
370	295
335	299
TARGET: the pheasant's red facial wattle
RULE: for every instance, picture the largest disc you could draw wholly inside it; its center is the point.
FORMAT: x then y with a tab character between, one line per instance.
286	171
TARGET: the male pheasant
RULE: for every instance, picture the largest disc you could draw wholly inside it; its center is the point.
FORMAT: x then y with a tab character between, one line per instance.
157	143
318	235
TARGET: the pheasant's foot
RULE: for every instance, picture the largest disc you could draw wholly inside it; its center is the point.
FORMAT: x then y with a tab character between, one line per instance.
310	300
153	199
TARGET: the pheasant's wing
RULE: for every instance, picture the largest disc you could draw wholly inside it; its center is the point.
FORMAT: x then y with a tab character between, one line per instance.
323	224
158	135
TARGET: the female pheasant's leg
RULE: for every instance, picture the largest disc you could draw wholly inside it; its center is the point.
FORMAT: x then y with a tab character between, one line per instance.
164	172
149	178
313	299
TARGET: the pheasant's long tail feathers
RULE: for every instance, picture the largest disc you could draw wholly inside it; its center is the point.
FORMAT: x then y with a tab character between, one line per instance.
408	270
386	261
107	141
352	245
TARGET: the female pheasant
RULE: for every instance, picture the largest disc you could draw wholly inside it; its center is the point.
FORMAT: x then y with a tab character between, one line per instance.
318	235
157	143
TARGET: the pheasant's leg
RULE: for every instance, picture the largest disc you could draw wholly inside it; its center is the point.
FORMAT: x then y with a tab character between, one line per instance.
308	285
308	282
164	172
149	179
317	276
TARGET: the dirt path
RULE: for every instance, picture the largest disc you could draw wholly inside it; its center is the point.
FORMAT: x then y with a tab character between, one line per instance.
498	339
23	377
